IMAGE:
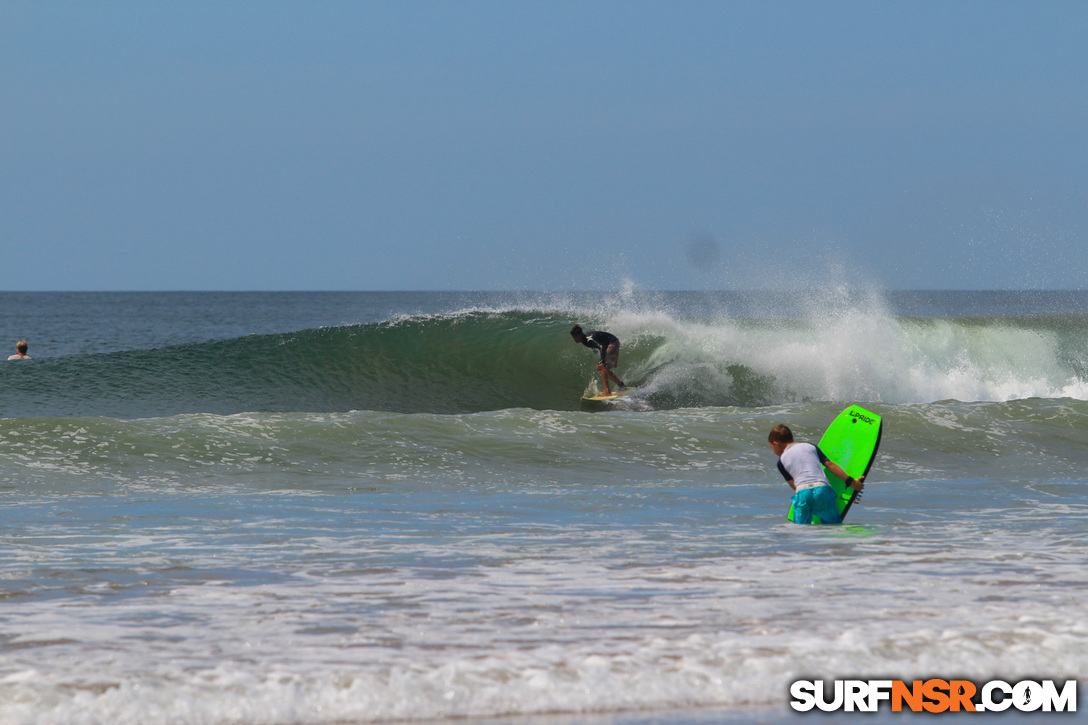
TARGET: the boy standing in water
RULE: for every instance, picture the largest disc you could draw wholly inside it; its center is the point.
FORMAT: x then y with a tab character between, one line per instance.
609	347
801	464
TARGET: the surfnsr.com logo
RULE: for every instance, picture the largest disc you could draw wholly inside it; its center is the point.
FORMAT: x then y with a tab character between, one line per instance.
934	695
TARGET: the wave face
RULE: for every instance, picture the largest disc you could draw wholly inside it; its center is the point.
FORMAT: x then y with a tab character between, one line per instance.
480	360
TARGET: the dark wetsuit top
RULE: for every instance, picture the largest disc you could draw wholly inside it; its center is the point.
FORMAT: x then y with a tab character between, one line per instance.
600	341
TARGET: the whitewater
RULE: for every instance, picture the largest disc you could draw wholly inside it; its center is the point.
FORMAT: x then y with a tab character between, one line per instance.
387	507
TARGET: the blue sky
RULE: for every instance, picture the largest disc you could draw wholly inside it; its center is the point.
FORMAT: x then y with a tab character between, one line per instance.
543	145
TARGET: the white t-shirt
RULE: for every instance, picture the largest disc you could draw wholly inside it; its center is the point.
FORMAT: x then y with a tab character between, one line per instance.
18	357
803	462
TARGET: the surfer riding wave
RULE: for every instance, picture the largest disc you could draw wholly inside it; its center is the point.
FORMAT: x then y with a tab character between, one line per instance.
608	345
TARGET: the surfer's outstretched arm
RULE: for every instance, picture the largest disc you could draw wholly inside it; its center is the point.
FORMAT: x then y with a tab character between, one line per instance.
855	483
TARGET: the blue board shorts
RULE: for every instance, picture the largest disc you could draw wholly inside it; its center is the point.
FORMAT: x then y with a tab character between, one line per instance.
819	501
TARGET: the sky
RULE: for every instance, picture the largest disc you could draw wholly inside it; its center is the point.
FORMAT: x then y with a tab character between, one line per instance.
495	145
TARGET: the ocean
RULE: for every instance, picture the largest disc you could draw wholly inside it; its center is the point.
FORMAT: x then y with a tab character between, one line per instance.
270	508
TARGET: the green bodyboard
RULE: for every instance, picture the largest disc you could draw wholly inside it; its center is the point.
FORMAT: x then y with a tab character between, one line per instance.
852	441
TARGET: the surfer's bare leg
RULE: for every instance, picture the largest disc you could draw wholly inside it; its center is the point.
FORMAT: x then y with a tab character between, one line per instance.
605	374
609	362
